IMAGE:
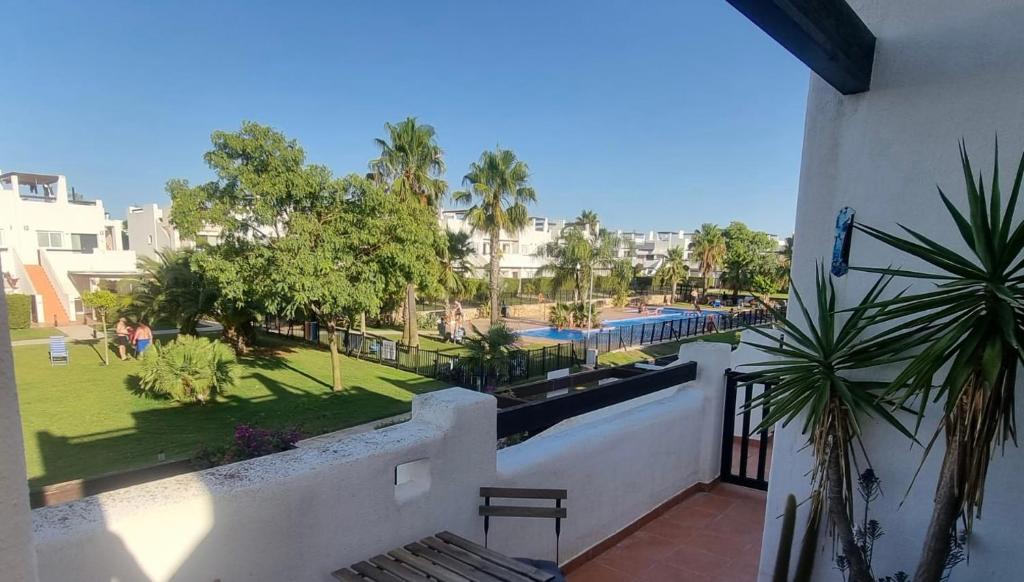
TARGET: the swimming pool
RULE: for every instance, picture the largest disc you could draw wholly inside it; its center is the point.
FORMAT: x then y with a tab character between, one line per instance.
675	315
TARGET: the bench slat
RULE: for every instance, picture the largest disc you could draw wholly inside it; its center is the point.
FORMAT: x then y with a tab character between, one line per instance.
499	559
474	560
519	493
518	511
426	566
451	563
374	573
398	569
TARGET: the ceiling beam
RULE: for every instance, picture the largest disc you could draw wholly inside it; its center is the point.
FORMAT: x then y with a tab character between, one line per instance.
827	35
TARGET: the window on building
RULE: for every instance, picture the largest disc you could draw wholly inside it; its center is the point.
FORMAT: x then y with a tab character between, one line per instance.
662	236
49	239
486	249
538	224
84	242
149	239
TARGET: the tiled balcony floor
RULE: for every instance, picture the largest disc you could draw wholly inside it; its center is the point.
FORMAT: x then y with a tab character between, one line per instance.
713	536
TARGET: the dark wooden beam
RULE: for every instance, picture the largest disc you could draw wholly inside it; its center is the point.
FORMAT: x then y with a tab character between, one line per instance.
827	35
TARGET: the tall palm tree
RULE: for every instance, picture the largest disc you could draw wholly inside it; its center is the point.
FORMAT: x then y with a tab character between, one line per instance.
574	258
411	164
672	270
709	246
499	184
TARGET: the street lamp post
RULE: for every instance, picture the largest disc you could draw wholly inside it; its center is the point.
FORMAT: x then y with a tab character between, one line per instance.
590	301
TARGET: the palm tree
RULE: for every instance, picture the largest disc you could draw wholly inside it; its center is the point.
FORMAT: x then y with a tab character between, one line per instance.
785	264
170	289
709	246
672	270
455	264
499	184
411	164
813	379
574	258
488	354
587	220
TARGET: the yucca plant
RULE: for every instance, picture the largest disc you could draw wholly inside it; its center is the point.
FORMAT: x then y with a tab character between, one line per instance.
810	379
972	322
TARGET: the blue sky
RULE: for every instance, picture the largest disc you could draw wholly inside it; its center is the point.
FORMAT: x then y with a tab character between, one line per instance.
658	115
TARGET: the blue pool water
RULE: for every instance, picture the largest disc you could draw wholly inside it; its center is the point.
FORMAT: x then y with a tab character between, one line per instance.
675	315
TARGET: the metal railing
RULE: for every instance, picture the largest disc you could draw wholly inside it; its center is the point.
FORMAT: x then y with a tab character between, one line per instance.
737	448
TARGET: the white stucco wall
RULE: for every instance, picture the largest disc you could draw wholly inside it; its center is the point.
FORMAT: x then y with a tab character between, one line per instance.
944	70
618	463
17	560
301	514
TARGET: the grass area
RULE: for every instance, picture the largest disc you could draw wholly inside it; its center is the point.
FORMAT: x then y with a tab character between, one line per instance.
34	333
666	349
84	420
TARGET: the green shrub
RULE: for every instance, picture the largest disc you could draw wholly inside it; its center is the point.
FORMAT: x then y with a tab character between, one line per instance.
484	311
558	316
427	321
188	369
19	311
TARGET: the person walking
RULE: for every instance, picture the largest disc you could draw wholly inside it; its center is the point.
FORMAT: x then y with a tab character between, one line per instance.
123	338
143	337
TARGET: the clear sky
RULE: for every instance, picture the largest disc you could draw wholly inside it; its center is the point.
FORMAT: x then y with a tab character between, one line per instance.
658	115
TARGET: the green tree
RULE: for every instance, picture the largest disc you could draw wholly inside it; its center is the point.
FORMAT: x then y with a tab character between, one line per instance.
170	289
709	247
105	304
748	253
588	221
410	165
499	184
672	270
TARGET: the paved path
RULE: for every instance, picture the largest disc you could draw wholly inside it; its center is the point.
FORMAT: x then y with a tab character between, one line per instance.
78	332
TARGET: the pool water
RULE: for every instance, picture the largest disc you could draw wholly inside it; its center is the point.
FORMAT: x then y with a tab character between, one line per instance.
608	327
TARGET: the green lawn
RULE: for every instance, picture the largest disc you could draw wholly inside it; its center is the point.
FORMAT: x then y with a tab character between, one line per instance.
84	420
656	351
34	333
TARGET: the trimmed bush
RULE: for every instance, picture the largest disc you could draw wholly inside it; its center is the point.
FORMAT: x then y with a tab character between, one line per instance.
19	311
188	369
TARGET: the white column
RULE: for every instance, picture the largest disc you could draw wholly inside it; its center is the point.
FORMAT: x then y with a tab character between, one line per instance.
17	554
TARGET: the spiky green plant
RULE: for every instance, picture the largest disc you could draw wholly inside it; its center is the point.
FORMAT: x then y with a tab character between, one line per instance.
812	378
972	322
188	369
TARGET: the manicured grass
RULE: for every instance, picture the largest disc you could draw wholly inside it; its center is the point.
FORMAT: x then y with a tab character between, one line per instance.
84	420
656	351
34	333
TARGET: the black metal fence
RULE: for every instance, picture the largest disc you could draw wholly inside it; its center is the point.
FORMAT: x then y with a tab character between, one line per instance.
523	364
738	447
453	367
656	332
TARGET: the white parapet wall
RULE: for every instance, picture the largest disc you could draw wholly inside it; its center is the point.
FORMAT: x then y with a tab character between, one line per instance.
301	514
618	463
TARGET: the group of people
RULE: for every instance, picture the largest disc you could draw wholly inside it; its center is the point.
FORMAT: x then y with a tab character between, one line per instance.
139	337
450	327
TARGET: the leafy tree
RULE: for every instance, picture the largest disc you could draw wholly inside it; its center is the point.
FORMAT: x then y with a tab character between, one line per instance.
410	165
489	353
748	253
709	246
672	270
560	315
499	184
785	264
338	256
106	304
188	369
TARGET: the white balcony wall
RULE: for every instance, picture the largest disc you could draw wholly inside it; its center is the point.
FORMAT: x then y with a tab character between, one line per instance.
944	70
301	514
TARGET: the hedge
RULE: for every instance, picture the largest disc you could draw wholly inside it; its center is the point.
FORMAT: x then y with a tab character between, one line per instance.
19	311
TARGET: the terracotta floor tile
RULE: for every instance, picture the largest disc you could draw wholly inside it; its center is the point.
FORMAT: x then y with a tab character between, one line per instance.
595	572
668	573
712	536
638	553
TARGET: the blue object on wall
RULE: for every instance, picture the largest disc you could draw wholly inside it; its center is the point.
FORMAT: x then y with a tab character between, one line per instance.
841	247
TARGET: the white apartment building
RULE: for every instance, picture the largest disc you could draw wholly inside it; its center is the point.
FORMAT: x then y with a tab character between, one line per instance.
651	248
54	244
150	231
520	257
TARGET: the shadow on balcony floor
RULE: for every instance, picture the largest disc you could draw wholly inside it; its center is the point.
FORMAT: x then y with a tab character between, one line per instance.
713	536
